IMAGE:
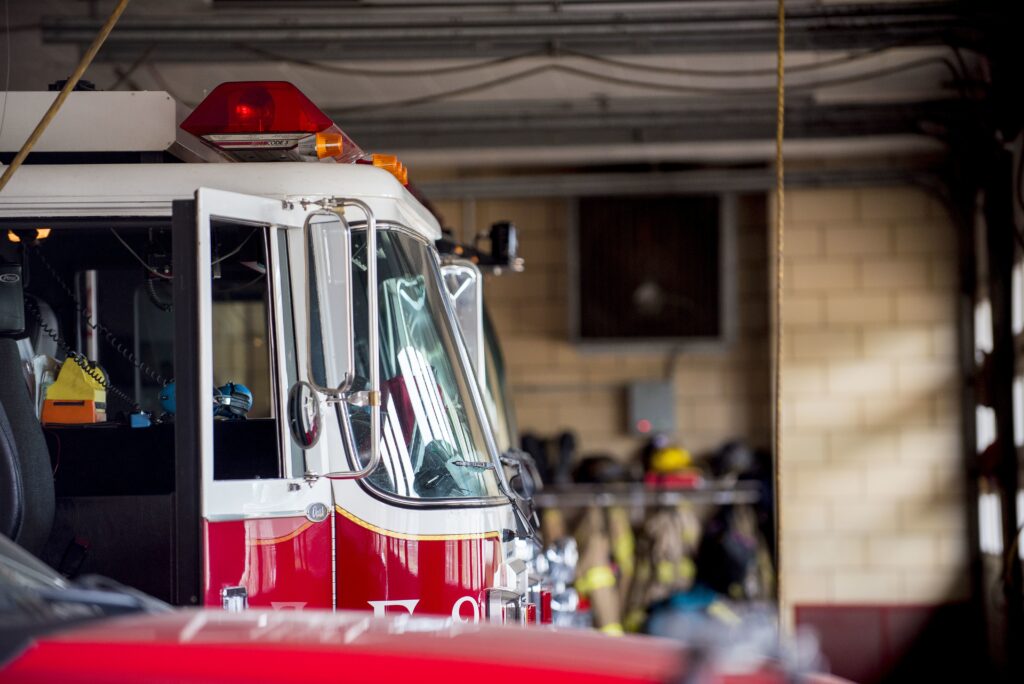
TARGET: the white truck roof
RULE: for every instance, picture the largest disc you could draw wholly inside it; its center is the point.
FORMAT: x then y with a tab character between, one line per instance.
115	121
148	189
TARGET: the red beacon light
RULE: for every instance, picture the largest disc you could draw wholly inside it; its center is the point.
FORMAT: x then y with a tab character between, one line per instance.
268	121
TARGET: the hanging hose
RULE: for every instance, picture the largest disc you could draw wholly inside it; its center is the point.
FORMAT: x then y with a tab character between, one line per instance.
86	60
779	245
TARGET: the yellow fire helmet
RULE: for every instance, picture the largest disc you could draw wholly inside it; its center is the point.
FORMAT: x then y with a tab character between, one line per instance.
670	459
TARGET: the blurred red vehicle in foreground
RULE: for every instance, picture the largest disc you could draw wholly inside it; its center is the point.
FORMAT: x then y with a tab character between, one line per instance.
96	631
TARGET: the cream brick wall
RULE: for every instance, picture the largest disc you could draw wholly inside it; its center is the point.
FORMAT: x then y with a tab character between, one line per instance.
720	395
871	504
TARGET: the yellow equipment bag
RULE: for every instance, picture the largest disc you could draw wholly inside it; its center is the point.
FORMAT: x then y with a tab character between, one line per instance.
76	396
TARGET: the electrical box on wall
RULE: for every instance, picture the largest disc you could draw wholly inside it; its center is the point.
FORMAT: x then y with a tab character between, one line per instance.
652	408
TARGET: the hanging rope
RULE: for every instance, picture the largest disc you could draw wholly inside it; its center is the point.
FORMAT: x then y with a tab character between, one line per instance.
83	64
779	245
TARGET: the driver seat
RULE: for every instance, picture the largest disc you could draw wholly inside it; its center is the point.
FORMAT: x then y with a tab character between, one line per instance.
27	500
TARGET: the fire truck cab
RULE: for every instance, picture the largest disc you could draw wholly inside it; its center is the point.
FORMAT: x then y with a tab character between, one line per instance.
260	426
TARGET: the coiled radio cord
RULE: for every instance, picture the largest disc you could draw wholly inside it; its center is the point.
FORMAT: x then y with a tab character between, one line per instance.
80	360
116	344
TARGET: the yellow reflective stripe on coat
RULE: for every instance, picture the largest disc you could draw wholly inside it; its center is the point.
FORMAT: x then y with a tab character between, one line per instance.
723	613
668	572
624	550
635	619
598	577
687	569
614	629
665	572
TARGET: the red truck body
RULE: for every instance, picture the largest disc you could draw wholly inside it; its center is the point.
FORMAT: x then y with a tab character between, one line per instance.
194	646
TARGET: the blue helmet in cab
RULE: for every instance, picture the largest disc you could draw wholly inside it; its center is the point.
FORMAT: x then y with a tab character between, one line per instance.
232	400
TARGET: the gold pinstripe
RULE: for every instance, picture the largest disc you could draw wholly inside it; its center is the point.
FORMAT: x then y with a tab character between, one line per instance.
277	540
416	537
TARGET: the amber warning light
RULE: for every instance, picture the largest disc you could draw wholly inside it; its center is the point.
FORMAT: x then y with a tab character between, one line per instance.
268	121
390	163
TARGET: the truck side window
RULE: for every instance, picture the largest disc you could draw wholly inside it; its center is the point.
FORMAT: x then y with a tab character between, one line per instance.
245	430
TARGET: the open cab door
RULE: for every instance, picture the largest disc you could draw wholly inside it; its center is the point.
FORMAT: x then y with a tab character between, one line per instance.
249	431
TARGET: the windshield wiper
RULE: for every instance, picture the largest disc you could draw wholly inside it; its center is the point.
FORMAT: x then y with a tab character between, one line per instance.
479	465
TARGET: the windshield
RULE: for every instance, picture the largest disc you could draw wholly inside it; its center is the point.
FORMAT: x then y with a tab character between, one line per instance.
432	440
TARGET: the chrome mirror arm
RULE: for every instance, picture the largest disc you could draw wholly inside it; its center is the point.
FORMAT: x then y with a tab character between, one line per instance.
372	395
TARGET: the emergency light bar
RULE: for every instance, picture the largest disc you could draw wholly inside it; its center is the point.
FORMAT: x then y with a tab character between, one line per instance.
268	121
275	121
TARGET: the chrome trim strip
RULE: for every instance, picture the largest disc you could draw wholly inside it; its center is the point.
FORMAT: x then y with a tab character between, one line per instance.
228	517
334	555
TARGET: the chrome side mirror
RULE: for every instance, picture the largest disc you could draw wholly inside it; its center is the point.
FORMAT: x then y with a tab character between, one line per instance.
305	421
465	283
330	349
522	484
525	478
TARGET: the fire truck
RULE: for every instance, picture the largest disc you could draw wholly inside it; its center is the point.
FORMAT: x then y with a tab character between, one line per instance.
245	382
